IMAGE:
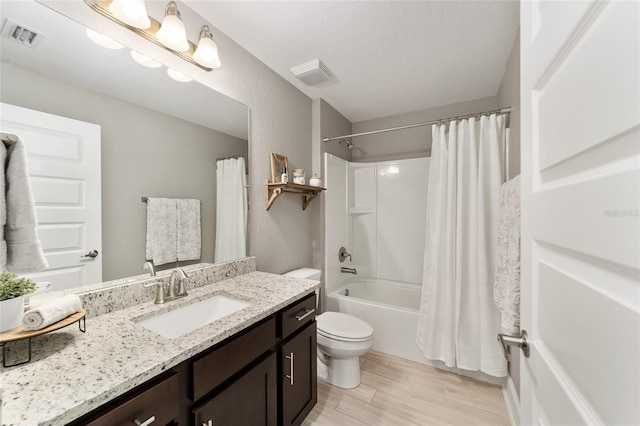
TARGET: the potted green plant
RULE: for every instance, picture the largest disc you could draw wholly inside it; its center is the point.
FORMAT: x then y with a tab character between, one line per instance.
12	292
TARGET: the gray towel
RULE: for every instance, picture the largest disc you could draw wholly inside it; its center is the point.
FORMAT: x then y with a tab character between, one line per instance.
189	229
23	250
162	230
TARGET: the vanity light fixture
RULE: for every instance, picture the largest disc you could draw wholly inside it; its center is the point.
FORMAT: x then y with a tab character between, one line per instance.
131	12
172	32
145	60
206	53
170	35
103	40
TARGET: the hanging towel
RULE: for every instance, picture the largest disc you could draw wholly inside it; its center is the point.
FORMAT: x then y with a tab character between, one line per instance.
162	232
506	291
20	249
51	312
189	229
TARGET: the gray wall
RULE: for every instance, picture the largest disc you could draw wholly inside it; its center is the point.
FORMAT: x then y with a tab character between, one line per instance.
408	143
326	122
280	122
509	95
144	153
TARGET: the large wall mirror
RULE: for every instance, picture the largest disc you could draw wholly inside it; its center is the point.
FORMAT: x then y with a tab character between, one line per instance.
158	138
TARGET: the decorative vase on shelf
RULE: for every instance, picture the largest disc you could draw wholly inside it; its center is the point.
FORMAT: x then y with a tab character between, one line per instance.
315	180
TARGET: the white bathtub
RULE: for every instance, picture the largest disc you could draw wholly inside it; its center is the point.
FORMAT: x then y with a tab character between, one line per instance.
390	307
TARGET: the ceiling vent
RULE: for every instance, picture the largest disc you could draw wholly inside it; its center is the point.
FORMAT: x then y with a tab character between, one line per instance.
312	72
23	35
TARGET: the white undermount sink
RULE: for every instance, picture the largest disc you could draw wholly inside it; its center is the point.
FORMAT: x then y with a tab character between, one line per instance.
181	321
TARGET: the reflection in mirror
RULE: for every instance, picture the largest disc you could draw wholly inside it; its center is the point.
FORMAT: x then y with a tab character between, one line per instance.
149	136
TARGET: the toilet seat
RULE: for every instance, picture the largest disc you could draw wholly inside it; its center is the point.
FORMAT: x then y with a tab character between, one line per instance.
343	327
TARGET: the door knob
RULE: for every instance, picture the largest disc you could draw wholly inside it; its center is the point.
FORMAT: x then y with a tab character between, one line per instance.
92	254
518	341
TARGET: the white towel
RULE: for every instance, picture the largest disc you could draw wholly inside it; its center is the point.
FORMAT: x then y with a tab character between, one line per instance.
189	229
20	250
506	290
51	312
162	243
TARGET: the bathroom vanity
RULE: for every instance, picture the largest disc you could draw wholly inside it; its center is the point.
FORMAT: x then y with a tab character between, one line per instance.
255	366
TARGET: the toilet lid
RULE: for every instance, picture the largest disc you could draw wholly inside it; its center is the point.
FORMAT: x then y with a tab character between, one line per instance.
343	326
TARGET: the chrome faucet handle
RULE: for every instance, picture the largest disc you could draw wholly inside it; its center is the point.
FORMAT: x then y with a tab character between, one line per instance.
342	255
159	293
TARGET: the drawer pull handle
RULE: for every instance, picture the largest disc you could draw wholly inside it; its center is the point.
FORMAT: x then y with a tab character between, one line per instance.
290	377
303	314
146	422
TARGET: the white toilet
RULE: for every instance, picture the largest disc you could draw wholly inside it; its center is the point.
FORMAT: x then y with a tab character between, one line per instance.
342	339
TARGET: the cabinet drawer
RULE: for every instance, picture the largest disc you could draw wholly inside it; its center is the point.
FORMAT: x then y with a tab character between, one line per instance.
159	401
216	367
298	315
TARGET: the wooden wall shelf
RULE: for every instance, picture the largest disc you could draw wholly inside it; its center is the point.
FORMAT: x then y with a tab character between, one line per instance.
307	192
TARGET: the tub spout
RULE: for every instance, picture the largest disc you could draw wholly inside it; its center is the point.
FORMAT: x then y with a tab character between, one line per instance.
348	270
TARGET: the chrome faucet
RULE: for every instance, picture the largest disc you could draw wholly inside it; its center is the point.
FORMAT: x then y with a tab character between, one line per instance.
349	271
179	275
148	266
176	279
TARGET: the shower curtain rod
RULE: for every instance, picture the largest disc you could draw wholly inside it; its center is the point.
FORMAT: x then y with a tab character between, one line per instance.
409	126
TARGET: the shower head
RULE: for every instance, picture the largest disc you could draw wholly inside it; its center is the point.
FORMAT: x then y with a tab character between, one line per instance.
350	144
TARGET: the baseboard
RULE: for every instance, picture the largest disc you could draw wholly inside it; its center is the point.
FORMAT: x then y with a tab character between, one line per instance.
511	401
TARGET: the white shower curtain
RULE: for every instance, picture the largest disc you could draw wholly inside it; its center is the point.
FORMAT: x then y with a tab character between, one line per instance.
458	321
231	210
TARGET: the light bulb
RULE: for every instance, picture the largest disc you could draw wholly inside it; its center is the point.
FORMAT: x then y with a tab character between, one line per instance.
131	12
172	33
206	53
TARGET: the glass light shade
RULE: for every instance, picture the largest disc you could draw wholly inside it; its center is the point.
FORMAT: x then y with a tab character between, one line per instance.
103	40
178	76
207	53
131	12
172	34
144	60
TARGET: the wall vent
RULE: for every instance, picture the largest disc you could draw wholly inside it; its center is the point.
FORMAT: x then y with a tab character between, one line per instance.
21	34
312	72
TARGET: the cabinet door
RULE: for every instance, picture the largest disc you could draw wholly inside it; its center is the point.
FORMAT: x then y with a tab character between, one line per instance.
299	377
250	400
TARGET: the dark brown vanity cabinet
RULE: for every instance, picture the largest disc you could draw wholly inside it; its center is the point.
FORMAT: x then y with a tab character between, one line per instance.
250	400
298	378
264	375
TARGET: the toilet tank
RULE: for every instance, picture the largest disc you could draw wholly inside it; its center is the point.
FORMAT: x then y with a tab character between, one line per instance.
306	273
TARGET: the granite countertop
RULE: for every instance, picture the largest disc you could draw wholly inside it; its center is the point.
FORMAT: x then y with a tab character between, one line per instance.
72	373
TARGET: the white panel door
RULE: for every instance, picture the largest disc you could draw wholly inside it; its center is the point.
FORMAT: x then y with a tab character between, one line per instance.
63	157
580	94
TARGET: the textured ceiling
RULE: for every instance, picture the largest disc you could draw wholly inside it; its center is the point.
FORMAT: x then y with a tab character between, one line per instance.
389	57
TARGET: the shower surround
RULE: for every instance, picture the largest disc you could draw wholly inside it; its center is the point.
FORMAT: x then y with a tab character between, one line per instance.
378	212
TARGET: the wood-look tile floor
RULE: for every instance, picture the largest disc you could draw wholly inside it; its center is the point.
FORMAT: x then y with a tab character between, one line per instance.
397	392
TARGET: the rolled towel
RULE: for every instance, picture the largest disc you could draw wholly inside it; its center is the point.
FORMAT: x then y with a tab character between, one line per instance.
51	312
